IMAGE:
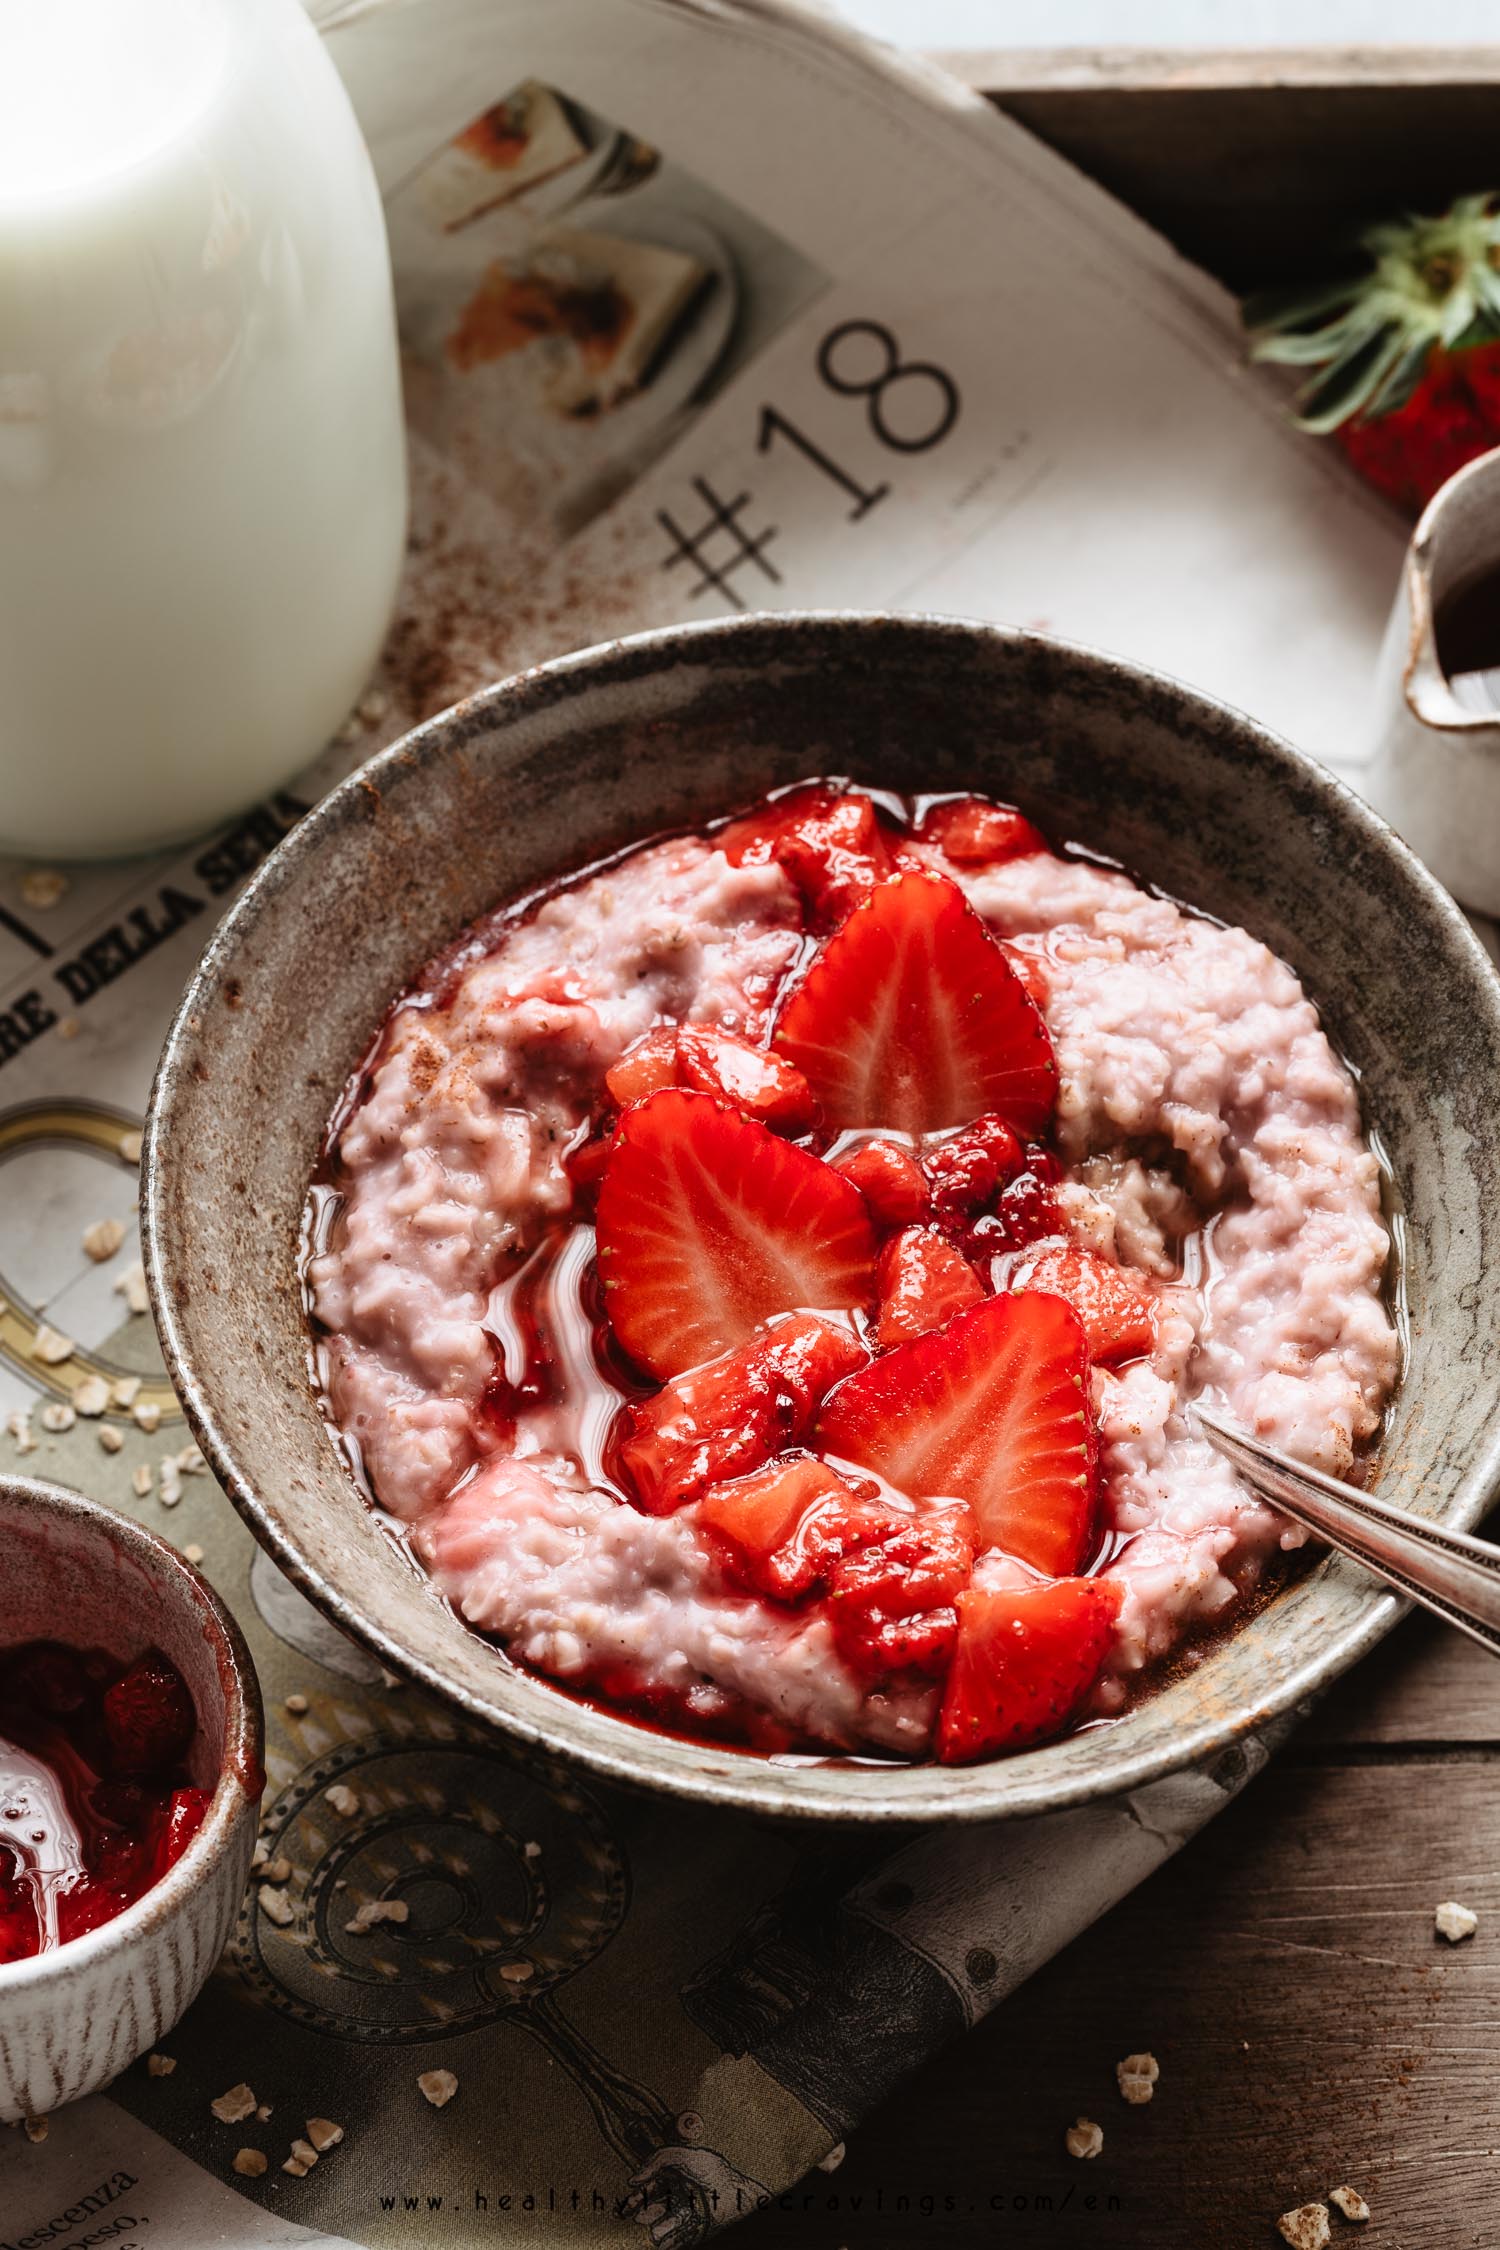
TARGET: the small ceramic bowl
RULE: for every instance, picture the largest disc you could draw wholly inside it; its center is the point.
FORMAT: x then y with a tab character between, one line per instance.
559	766
73	2018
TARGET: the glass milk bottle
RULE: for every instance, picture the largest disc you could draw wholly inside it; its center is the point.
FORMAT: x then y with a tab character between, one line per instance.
202	468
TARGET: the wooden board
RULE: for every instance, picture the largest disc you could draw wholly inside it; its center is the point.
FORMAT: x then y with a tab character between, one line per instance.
1311	2029
1261	166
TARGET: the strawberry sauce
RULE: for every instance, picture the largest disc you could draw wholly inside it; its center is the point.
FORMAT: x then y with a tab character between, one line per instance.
763	1277
95	1800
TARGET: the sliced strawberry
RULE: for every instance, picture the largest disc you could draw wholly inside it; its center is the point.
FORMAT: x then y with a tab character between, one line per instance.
924	1281
965	1171
755	1081
833	847
645	1068
992	1410
891	1600
781	1528
1113	1308
148	1716
1031	968
178	1823
1026	1656
911	1018
734	1413
974	833
890	1180
708	1225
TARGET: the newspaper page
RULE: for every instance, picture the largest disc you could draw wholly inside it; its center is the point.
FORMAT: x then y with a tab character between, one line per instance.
705	306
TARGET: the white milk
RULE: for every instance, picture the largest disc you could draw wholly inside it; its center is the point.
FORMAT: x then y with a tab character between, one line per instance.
202	469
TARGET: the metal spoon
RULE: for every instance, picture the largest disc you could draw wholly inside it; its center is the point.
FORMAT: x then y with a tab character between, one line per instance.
1449	1572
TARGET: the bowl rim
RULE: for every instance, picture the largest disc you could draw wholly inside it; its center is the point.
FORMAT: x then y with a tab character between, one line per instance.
722	1775
241	1767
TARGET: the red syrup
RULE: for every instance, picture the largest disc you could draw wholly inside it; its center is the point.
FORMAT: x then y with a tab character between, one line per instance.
95	1800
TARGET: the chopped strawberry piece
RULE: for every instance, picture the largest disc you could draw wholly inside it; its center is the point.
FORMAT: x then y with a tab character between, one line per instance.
178	1826
148	1716
924	1281
708	1226
645	1068
1113	1308
965	1171
734	1413
835	854
1025	1658
992	1410
780	1529
758	1083
912	1018
890	1180
974	833
1031	969
585	1158
891	1600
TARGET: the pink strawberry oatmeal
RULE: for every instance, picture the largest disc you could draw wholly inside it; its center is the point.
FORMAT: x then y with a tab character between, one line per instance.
766	1280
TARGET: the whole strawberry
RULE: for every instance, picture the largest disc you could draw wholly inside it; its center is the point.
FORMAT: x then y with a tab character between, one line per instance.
1406	351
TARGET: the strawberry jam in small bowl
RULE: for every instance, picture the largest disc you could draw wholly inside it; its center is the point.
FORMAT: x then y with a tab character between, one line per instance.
130	1742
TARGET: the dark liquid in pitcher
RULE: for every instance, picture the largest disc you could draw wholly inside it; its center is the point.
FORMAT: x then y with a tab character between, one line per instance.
1468	642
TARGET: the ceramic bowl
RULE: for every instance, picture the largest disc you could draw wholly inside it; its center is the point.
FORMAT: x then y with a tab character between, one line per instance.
72	2019
560	765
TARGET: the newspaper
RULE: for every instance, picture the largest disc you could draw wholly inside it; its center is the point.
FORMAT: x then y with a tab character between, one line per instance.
705	306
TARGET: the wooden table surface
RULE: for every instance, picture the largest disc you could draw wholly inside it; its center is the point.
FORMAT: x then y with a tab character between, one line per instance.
1310	2027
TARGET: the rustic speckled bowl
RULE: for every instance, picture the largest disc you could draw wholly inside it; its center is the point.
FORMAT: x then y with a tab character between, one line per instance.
549	770
72	2019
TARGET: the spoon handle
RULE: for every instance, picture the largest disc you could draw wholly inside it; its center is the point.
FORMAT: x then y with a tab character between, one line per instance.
1450	1572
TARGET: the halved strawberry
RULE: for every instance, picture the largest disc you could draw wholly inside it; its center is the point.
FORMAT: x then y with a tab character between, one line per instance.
1113	1308
645	1068
779	1529
924	1281
832	846
735	1412
992	1410
709	1225
965	1171
891	1599
890	1180
758	1083
912	1018
975	833
1025	1658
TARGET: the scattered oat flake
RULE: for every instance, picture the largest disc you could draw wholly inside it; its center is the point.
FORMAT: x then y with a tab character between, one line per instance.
518	1972
297	1705
1455	1922
131	1285
169	1483
262	2113
531	1851
51	1346
324	2134
1136	2077
1306	2228
1083	2138
342	1799
110	1438
18	1424
304	2152
438	2086
125	1389
276	1906
375	1910
103	1239
160	2066
296	2167
250	2163
57	1416
36	2129
235	2106
140	1480
68	1027
191	1461
192	1553
1350	2202
130	1148
91	1397
834	2158
146	1414
43	887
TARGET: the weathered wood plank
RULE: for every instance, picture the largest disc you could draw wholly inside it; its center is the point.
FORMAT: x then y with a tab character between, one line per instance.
1310	2028
1426	1685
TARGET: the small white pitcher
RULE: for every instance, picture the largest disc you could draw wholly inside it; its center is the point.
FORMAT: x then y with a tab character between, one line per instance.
1435	775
